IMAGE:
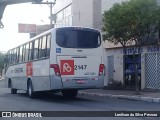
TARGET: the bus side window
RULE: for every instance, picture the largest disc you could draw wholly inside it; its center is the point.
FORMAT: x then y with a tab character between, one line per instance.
40	48
17	56
30	51
24	53
10	55
6	60
48	45
14	56
43	48
11	52
27	52
35	56
21	54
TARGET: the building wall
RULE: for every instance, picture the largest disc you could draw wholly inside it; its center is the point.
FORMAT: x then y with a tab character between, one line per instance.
63	11
97	16
82	12
118	64
85	13
60	4
117	53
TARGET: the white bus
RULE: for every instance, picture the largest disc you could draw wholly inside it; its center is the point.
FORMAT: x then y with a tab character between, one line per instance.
65	59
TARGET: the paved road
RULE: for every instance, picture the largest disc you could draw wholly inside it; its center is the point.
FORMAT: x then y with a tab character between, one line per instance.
50	102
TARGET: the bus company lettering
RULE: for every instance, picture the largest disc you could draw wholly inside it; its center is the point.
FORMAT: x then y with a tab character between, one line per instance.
18	70
67	67
29	69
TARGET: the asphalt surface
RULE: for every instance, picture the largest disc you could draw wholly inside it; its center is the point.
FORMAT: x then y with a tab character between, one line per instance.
52	102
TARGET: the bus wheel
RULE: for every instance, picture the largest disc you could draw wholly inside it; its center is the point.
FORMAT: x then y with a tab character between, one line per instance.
30	91
13	91
69	93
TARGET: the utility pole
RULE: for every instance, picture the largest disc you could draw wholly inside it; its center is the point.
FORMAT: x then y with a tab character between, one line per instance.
50	4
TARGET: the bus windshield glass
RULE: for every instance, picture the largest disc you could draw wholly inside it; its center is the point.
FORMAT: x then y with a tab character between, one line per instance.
78	38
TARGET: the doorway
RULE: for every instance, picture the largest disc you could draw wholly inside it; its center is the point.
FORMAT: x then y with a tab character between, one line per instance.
129	74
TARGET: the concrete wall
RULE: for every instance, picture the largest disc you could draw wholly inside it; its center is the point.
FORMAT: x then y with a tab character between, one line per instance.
97	16
83	12
118	64
86	13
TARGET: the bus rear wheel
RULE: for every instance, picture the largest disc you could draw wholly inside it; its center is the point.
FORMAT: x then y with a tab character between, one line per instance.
30	91
69	93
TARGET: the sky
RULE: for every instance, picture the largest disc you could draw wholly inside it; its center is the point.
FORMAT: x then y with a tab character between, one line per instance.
26	13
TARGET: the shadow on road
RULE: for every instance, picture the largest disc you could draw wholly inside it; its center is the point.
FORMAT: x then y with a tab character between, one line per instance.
51	97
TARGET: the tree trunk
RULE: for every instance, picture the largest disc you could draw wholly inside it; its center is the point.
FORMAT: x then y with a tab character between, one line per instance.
136	69
124	57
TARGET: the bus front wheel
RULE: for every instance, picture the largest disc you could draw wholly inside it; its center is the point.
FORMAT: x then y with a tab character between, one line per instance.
69	93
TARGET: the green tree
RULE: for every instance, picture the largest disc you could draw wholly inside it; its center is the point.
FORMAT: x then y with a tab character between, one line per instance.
132	23
2	56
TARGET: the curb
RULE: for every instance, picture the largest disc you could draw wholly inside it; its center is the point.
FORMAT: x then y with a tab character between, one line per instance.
127	97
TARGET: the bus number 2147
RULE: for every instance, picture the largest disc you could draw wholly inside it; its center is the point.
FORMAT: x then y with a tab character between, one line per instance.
80	67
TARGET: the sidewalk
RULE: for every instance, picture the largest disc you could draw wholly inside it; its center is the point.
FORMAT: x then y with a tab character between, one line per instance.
148	96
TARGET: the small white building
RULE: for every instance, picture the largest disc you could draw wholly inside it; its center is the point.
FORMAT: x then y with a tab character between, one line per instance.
121	69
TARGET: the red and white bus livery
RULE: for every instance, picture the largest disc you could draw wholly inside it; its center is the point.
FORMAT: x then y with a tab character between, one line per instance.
64	59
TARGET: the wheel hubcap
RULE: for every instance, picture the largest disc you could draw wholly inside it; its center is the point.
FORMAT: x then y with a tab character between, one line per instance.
30	90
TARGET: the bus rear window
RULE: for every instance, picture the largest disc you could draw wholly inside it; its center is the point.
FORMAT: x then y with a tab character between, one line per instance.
78	38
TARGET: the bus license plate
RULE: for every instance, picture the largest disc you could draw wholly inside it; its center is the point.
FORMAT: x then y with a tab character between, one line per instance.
80	81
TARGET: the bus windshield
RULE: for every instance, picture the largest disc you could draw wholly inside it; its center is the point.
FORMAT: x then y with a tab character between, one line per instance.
78	38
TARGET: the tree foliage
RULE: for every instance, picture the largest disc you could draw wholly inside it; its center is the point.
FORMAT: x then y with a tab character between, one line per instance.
132	21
